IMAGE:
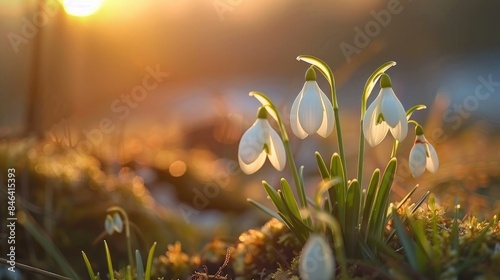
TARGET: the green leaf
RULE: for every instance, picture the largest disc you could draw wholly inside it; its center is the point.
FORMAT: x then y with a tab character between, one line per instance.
337	194
323	170
129	273
369	201
264	209
273	195
293	228
377	219
149	262
89	266
289	198
405	240
140	265
352	218
109	262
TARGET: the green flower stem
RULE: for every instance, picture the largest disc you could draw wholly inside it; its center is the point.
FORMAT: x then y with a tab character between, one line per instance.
127	230
299	184
328	74
370	84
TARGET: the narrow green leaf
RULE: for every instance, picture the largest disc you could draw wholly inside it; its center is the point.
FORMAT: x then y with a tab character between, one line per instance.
108	260
323	170
366	252
352	218
369	201
337	193
89	266
297	221
273	195
129	273
297	232
149	262
289	198
405	240
264	209
377	219
140	265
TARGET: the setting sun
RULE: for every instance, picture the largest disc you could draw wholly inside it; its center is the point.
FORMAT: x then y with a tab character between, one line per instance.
82	8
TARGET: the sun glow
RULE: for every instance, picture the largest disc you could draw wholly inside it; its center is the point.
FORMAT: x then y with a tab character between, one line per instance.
82	8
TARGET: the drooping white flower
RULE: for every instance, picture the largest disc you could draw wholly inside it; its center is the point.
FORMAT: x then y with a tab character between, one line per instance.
316	260
259	141
112	224
385	113
422	155
312	111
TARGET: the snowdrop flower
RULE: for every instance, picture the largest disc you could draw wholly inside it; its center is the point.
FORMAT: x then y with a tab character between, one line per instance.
422	155
259	141
316	260
385	113
311	112
112	224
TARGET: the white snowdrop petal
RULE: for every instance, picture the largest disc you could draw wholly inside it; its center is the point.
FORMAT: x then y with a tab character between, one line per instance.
277	155
400	131
294	119
432	163
252	142
374	133
310	109
252	167
117	221
108	225
328	117
418	160
390	106
316	259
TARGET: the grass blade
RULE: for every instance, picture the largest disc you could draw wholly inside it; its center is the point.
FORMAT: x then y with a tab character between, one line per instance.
289	198
149	262
89	266
264	209
323	170
108	260
140	265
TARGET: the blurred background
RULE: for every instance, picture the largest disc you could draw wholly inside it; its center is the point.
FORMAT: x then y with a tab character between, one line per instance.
123	102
